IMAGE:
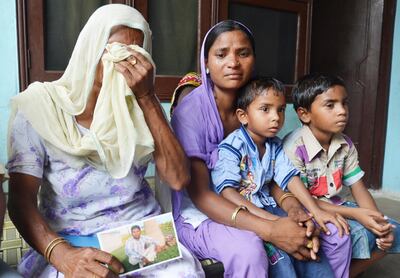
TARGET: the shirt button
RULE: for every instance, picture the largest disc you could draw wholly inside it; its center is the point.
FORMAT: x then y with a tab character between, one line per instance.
331	184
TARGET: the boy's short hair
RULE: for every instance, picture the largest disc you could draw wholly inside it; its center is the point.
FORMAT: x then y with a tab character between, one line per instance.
308	87
256	87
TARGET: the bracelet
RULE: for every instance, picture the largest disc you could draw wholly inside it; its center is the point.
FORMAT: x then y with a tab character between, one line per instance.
283	197
51	245
235	213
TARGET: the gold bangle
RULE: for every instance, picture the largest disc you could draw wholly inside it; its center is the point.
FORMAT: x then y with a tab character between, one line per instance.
235	213
51	243
52	247
283	197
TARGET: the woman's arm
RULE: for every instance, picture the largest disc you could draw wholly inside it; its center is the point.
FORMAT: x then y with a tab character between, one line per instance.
232	195
22	206
284	232
170	159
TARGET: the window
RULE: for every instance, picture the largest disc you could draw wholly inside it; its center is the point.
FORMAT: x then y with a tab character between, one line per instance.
281	29
282	34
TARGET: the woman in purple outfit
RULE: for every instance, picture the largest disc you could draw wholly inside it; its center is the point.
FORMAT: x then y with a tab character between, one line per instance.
209	225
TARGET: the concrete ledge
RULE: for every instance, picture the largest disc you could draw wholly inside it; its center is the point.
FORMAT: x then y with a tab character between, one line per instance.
385	194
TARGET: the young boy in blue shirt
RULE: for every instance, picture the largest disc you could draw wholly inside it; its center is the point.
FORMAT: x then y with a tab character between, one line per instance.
251	162
328	165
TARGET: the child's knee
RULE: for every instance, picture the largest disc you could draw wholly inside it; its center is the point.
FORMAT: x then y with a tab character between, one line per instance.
335	239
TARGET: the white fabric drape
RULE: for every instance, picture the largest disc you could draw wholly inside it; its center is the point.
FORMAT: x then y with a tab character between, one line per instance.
118	134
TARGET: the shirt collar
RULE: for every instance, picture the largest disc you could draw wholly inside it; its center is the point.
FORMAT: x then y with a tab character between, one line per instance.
248	138
313	147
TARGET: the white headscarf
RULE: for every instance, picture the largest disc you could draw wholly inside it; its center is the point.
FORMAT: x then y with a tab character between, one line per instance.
118	134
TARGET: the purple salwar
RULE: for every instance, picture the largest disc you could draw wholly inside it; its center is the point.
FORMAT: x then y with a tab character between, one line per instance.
241	252
337	250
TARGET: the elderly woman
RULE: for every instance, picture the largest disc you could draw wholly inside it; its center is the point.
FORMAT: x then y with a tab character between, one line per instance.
83	142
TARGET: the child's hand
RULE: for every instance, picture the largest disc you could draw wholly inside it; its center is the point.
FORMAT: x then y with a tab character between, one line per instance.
298	215
322	217
291	238
373	221
384	243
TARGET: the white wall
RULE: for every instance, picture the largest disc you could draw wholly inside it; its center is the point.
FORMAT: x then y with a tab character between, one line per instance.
391	173
8	68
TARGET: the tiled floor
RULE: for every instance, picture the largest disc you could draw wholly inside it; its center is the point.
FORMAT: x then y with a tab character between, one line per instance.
388	267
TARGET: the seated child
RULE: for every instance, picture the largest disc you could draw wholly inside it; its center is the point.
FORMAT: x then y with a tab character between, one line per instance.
327	160
251	158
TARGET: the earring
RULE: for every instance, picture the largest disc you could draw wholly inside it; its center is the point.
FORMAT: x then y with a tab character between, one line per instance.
207	71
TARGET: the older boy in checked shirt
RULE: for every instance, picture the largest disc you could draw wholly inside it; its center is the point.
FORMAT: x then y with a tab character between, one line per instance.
328	164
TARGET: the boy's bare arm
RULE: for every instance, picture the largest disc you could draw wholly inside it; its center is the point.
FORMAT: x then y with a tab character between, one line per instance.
232	195
362	196
368	214
297	187
342	210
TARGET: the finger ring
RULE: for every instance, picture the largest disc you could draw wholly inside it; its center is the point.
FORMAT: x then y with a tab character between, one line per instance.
133	61
309	244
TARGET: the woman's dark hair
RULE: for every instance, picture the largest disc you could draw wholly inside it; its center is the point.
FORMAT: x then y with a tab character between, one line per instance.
256	87
226	26
308	87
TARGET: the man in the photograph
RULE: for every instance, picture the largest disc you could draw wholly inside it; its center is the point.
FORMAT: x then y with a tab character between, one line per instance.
140	249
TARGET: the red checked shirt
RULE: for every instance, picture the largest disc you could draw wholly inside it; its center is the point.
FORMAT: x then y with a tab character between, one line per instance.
324	172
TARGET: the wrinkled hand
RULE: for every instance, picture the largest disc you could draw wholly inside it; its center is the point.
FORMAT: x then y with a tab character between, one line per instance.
322	217
298	215
373	221
138	73
289	236
385	242
87	262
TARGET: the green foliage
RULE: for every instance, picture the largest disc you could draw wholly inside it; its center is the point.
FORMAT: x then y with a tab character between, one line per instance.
167	228
169	253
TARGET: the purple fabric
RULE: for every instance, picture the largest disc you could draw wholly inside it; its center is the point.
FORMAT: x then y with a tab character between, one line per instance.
302	153
348	140
245	258
197	125
337	250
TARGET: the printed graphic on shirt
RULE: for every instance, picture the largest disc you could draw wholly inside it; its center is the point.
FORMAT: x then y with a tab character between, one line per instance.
247	184
318	185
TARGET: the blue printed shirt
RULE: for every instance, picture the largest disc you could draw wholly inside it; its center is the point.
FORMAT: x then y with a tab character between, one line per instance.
239	166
